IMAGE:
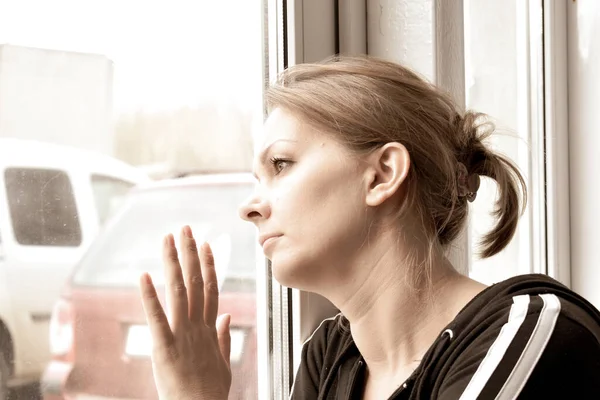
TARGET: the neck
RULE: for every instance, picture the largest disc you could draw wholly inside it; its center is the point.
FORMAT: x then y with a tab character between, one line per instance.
394	320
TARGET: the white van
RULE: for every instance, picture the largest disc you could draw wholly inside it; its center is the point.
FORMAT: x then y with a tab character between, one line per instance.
53	200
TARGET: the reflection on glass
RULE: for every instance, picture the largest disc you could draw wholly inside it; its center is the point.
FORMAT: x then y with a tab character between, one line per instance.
119	93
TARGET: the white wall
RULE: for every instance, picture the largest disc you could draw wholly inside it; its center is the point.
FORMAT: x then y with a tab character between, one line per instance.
403	31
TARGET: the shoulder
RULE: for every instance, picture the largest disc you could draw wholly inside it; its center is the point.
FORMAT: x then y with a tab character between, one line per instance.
329	340
332	326
509	302
319	353
534	339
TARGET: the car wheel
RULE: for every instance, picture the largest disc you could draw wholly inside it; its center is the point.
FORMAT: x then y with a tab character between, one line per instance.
4	375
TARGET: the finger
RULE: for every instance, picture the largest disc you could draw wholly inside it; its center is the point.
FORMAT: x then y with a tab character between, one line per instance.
192	274
176	294
155	315
211	287
224	336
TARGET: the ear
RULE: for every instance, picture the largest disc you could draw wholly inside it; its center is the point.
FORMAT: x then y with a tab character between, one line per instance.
387	169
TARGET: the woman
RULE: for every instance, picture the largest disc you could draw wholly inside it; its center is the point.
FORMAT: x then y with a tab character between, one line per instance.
365	176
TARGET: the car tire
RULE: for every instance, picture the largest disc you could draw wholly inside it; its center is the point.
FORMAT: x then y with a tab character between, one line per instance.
4	375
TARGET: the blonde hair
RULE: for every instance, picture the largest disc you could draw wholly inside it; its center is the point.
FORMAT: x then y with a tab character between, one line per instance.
366	102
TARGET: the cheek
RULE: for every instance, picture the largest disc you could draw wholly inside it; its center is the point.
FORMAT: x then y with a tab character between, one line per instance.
322	208
322	219
319	242
292	205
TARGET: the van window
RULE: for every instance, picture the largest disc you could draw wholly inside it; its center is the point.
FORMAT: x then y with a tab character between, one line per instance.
42	207
109	193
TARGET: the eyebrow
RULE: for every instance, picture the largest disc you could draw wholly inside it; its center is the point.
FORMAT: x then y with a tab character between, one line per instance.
264	153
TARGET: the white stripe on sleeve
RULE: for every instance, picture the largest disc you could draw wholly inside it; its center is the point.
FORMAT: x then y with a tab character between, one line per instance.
518	312
533	350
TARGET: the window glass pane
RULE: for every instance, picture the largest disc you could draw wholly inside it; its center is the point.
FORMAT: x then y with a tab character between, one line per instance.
128	247
108	195
173	88
42	207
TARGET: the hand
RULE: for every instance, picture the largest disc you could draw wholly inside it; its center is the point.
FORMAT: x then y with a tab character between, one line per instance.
190	354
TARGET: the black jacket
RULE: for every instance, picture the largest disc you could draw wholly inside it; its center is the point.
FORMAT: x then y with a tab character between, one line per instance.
528	337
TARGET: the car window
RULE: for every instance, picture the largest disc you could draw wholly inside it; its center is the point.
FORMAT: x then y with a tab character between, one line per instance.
132	243
42	207
109	193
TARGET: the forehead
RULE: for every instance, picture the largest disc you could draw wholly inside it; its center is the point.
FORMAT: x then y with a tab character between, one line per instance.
281	124
283	127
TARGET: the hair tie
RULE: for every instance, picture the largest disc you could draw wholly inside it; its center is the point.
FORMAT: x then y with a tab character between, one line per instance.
468	184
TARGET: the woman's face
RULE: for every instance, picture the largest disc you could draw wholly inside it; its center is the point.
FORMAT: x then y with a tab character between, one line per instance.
309	205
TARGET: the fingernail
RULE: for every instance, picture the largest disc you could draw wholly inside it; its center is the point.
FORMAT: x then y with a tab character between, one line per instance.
224	319
146	278
170	240
187	231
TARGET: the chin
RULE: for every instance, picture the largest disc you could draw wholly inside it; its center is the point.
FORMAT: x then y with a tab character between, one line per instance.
284	273
293	273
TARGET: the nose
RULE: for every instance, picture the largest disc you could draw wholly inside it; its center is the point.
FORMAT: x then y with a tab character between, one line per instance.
254	209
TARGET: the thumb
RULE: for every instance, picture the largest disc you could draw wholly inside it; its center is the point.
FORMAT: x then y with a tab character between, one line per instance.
224	336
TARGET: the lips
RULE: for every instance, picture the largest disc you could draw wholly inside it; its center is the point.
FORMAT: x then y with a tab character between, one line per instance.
263	238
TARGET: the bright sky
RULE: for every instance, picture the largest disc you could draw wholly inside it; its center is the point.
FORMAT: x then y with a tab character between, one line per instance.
166	54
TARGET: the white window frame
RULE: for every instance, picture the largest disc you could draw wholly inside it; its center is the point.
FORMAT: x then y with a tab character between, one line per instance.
558	228
297	31
547	100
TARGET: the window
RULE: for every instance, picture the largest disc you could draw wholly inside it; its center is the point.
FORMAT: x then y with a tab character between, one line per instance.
108	195
169	86
42	207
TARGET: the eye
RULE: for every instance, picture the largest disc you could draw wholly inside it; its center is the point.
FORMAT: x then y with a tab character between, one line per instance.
279	164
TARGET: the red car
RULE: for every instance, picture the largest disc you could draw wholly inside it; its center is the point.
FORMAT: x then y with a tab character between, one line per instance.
99	339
